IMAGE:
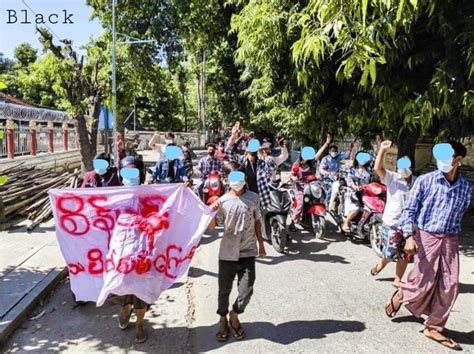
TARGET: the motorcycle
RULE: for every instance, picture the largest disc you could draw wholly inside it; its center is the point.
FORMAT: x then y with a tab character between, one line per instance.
213	188
274	216
314	208
367	225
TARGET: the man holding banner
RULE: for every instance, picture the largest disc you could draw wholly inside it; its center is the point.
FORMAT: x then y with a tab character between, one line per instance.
132	241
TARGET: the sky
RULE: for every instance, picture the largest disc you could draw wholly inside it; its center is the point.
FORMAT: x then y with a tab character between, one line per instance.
13	34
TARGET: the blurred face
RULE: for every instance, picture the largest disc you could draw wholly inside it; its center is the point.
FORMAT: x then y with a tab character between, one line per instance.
211	151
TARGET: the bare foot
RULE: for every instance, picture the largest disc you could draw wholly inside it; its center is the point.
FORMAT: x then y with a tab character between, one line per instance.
140	334
435	335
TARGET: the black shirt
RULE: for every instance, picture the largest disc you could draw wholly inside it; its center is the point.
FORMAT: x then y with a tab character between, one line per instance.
251	176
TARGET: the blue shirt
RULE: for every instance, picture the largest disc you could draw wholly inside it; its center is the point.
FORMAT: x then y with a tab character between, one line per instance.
160	171
436	206
331	164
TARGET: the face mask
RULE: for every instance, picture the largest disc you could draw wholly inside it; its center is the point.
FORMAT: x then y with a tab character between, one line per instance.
445	166
333	154
131	182
169	141
404	172
100	171
237	186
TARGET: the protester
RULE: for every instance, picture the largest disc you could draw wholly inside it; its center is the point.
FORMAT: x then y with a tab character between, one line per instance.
103	175
398	184
266	155
189	155
300	171
131	177
431	222
120	146
359	174
220	153
257	171
240	211
160	148
207	164
170	169
329	168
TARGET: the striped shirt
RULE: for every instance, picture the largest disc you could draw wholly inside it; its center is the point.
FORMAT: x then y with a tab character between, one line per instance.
435	205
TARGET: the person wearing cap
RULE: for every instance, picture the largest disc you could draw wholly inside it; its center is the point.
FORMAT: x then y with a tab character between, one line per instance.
265	154
398	184
241	243
257	170
103	174
431	222
170	169
359	175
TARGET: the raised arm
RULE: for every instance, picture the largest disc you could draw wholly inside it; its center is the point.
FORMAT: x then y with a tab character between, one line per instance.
153	140
323	148
378	167
282	157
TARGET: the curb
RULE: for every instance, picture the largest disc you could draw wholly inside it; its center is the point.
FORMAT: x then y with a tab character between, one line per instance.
14	318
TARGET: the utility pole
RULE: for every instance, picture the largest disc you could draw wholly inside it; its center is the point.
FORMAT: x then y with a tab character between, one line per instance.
114	85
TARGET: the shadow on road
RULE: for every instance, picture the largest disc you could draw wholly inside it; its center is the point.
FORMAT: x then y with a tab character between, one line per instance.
284	333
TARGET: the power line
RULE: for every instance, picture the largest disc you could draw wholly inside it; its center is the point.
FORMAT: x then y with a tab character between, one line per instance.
29	7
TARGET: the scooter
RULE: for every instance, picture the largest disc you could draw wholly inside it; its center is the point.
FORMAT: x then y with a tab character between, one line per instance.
314	208
367	225
274	216
213	188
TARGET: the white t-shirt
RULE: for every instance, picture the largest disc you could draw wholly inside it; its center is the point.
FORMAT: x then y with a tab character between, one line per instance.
397	192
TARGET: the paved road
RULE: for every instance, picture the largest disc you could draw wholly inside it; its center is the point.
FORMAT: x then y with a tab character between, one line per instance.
317	298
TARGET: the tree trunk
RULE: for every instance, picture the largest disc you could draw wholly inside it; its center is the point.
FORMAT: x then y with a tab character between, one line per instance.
185	111
407	143
324	132
87	153
94	111
202	90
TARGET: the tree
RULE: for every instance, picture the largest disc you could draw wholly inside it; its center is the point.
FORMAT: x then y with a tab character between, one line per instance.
77	82
25	54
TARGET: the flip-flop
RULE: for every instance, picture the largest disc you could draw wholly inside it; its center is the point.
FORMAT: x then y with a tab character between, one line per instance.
394	311
373	271
141	340
124	325
238	333
222	336
443	342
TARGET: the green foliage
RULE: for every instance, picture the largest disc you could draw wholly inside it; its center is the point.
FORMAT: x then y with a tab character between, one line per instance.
25	54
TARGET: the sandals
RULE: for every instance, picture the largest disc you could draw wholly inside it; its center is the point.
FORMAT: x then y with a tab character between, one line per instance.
346	229
223	334
143	339
374	271
391	305
238	333
444	342
124	322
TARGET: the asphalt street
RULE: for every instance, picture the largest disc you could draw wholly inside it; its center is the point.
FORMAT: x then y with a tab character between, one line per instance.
317	298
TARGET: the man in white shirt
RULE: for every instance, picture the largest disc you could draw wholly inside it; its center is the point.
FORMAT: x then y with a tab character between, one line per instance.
398	185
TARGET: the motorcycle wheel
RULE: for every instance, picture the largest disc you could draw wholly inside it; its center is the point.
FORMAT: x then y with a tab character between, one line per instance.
319	225
278	236
376	238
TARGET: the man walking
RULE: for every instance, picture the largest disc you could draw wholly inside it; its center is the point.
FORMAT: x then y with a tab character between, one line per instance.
240	210
398	184
435	205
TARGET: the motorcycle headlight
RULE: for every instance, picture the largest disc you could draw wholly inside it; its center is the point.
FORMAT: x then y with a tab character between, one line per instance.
214	184
316	190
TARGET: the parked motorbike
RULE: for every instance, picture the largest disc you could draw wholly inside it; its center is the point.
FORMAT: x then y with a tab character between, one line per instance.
314	208
275	215
213	188
367	225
